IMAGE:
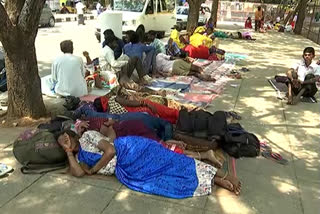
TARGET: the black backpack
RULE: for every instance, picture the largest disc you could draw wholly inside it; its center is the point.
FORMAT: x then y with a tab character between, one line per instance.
197	121
240	143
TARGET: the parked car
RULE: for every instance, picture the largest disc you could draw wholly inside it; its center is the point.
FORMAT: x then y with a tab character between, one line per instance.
47	17
183	12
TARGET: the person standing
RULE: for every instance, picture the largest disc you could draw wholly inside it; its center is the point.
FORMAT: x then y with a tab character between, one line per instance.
80	10
258	18
99	8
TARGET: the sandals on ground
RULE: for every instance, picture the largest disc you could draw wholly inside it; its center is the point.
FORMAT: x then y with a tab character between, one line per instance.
4	169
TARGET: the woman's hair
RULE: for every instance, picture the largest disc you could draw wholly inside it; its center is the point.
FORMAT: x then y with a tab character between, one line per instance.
109	33
68	132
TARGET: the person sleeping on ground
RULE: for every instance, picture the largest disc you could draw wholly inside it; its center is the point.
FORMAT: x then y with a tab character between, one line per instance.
143	165
68	73
95	119
162	128
302	77
114	129
169	66
120	104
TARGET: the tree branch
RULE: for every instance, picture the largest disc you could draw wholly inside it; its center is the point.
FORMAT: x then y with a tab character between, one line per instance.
13	8
4	23
30	15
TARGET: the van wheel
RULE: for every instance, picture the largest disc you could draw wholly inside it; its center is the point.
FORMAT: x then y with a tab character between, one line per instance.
51	22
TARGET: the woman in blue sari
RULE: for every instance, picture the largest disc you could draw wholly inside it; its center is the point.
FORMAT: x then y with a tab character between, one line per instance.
143	165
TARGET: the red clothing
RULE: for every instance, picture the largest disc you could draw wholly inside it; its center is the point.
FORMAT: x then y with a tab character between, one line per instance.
201	52
248	24
163	112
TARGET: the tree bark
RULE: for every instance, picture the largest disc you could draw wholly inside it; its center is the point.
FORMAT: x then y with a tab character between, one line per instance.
301	16
214	11
193	17
24	85
107	3
19	27
291	15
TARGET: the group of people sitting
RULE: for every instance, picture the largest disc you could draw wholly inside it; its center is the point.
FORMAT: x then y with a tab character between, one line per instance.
138	51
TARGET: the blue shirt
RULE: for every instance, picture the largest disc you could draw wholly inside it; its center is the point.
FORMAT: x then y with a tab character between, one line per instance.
137	50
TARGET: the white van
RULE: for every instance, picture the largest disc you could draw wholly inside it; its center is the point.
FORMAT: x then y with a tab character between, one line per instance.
158	15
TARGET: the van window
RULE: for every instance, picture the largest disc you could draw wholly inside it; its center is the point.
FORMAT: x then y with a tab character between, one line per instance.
159	7
164	5
129	5
150	9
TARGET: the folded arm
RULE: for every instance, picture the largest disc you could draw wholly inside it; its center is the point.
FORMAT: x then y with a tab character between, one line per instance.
108	153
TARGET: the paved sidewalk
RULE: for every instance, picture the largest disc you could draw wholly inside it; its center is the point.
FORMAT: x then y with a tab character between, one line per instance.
267	187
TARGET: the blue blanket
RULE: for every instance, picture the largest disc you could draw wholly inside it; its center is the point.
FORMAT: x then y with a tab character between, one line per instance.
146	166
183	87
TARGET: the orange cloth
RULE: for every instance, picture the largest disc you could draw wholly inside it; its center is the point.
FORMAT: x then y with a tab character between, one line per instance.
258	15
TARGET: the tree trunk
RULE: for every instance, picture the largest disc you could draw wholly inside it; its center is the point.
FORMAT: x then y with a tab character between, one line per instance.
291	15
19	24
214	11
107	3
301	16
193	17
24	85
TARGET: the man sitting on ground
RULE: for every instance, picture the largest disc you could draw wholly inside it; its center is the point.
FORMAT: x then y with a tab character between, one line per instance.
302	77
68	73
168	65
156	43
137	49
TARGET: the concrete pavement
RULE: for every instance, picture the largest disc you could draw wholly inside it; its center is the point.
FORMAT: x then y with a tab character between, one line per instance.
267	187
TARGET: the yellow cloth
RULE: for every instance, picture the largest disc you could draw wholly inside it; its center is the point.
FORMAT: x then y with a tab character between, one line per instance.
199	29
175	37
198	39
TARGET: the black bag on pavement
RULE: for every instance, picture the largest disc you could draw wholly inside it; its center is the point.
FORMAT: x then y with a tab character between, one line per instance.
240	143
71	103
200	121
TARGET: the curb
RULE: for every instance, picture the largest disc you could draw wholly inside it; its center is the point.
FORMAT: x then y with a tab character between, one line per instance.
73	19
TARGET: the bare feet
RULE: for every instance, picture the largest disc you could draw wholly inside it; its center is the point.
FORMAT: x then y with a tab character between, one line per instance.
211	157
223	183
236	184
206	77
290	100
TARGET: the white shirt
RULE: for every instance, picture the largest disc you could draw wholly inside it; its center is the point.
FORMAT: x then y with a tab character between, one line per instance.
278	19
303	70
163	63
80	7
108	62
98	6
68	73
